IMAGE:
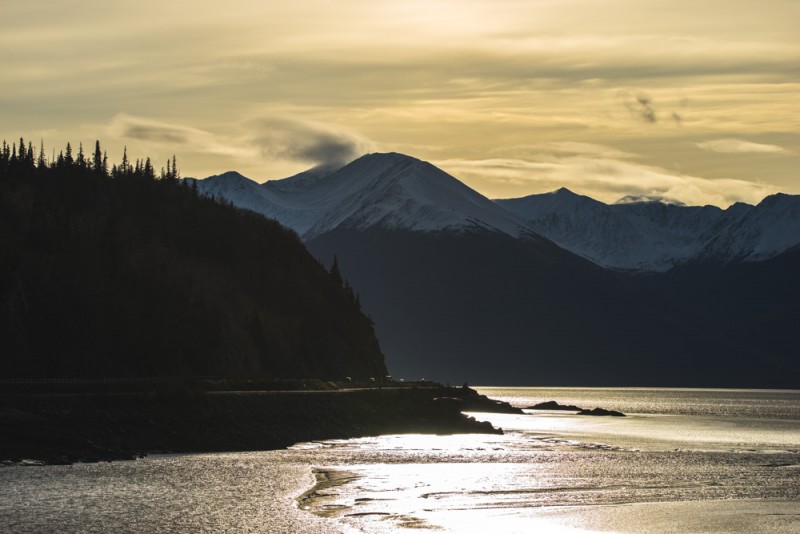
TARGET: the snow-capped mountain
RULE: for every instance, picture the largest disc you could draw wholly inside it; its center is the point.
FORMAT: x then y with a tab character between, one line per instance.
638	233
390	191
651	234
642	235
610	237
747	233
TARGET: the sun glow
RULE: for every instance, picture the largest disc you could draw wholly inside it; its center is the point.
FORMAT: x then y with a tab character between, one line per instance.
441	80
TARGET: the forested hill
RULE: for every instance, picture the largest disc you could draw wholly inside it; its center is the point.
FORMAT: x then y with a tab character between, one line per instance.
123	272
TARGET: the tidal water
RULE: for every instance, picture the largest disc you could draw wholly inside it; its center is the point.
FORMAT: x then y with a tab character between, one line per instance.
683	460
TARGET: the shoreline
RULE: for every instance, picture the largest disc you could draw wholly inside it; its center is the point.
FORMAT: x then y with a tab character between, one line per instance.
87	427
313	500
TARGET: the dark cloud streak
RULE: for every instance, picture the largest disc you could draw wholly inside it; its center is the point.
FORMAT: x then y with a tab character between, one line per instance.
310	142
164	134
645	109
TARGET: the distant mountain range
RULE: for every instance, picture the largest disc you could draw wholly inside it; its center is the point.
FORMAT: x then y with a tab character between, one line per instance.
649	234
555	288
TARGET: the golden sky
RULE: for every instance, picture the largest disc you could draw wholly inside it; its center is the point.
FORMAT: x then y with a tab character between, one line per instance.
694	100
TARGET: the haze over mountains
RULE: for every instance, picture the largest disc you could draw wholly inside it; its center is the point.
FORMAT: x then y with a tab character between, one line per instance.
539	289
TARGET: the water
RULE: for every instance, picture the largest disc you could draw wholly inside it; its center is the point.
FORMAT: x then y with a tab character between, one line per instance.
681	461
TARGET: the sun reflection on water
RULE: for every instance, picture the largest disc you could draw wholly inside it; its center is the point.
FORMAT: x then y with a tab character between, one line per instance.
559	472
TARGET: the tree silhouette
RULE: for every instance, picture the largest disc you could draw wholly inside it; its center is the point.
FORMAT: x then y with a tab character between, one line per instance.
336	274
97	159
80	161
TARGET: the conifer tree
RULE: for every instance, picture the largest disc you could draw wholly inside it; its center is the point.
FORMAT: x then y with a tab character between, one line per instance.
123	167
97	158
67	160
335	272
41	163
148	170
81	160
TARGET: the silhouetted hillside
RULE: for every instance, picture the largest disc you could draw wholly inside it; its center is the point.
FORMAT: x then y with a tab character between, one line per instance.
525	312
123	274
754	304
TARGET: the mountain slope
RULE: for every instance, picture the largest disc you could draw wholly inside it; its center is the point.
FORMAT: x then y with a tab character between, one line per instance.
135	277
753	304
488	308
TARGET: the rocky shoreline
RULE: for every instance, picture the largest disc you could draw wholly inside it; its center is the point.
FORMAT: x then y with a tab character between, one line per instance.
61	428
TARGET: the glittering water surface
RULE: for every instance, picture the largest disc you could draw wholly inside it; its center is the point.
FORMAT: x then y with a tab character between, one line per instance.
682	460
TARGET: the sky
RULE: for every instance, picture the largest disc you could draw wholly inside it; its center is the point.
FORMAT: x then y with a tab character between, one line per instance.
698	101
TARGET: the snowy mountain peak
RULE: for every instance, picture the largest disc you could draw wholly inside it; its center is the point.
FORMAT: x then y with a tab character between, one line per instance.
226	183
780	201
401	192
755	233
563	191
387	190
226	179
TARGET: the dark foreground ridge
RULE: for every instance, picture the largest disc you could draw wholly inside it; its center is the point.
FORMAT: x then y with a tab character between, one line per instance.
71	426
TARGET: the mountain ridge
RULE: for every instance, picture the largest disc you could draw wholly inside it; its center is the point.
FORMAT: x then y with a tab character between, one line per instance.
637	233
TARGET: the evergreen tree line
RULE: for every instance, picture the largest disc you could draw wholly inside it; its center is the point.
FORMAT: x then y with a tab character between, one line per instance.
20	159
123	272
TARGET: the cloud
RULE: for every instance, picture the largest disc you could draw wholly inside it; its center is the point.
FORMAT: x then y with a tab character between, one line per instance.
646	110
605	179
738	146
274	137
642	108
539	150
175	135
306	141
